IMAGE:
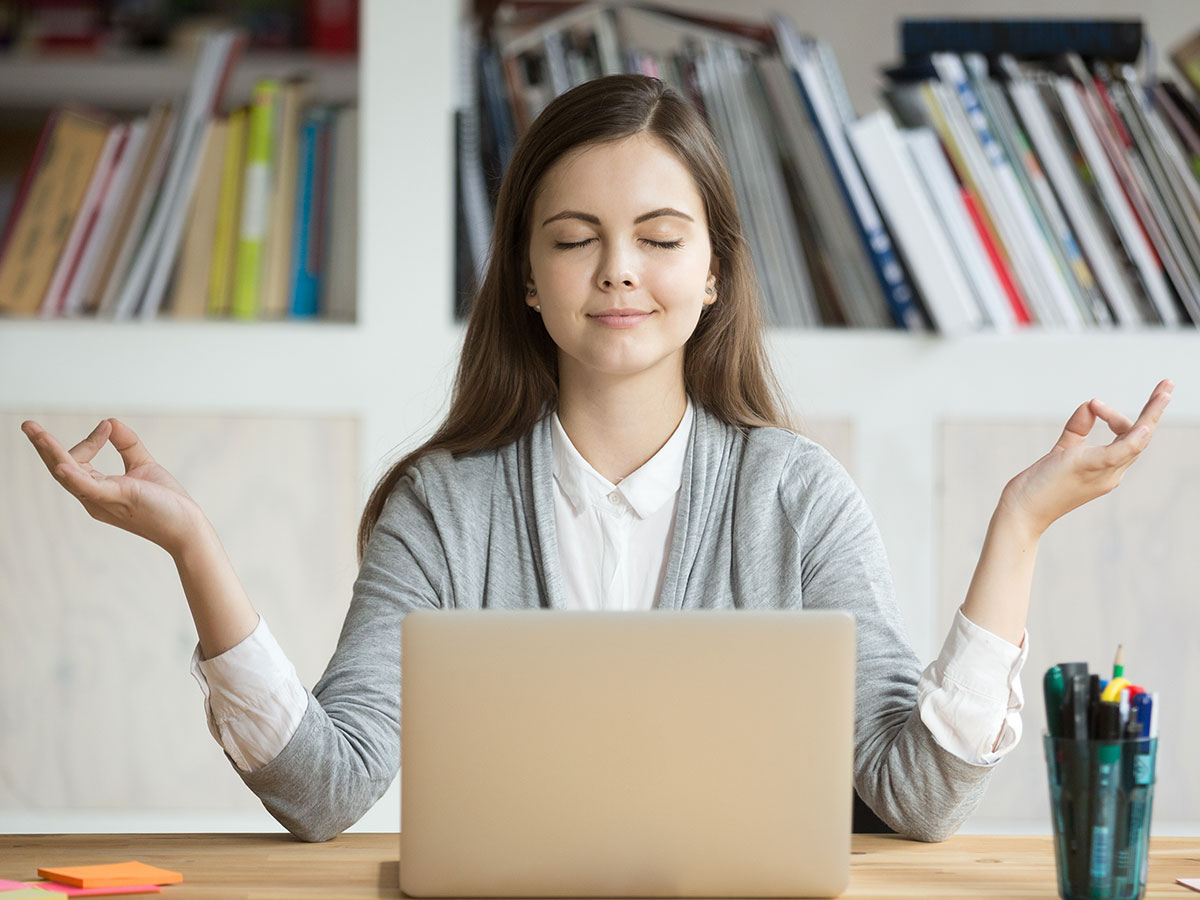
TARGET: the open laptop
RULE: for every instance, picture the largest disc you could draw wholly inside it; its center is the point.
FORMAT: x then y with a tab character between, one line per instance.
626	754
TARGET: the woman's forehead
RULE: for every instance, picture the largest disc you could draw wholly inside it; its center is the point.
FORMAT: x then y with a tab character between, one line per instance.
625	178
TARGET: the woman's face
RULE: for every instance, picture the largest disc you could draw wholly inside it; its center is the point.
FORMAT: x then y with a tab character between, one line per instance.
620	226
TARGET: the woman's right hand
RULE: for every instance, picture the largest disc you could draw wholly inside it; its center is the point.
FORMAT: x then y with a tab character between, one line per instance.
146	500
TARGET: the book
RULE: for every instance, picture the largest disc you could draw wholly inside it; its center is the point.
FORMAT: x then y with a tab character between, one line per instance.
277	252
1044	281
100	243
339	287
256	200
1071	94
189	291
131	221
904	201
800	57
311	214
1044	38
1057	157
146	281
857	291
946	194
1038	194
43	222
220	282
84	222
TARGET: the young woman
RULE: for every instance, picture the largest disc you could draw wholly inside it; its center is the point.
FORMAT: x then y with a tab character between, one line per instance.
615	440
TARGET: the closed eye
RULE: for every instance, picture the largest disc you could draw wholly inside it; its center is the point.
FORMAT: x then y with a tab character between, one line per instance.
665	245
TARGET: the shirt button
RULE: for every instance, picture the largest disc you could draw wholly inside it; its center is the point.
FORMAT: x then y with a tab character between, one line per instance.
614	498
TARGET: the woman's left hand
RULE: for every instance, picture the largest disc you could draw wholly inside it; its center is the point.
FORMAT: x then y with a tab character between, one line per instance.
1073	473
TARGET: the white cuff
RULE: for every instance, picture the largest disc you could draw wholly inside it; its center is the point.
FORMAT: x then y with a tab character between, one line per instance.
972	693
253	698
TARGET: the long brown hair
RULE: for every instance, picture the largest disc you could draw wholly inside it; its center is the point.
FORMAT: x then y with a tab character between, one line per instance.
507	376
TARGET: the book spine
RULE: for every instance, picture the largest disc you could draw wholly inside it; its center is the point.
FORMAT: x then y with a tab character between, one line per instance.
304	282
1119	39
220	282
256	200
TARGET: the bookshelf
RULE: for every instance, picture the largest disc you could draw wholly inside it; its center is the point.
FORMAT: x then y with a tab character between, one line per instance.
133	81
884	398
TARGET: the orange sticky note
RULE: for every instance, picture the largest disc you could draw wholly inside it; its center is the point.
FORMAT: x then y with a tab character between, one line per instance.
112	875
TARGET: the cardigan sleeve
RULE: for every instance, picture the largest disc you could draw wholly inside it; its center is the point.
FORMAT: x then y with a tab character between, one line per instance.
911	782
345	752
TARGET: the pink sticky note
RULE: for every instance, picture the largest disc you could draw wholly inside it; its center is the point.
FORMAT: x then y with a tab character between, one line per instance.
1193	883
69	891
6	885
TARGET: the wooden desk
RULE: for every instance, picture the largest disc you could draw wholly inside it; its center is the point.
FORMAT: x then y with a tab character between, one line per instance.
269	866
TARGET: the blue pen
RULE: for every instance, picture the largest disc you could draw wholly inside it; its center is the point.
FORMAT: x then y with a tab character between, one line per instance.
1143	777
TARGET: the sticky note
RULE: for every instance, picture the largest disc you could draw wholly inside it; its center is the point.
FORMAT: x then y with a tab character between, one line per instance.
25	893
124	874
1193	883
6	885
60	890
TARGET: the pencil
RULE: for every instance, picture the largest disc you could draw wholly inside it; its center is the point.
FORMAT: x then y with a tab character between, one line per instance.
1119	662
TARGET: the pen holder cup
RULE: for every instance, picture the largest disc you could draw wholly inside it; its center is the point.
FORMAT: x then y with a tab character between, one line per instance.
1100	798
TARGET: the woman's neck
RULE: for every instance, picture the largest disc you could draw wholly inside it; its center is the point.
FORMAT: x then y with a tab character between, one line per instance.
618	429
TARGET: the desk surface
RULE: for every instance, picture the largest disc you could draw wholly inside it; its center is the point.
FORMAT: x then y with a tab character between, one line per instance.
268	866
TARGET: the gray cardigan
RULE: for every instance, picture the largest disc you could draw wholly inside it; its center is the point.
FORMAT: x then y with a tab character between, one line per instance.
768	520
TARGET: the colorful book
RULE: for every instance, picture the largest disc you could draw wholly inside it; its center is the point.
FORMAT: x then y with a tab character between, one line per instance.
256	200
311	213
220	283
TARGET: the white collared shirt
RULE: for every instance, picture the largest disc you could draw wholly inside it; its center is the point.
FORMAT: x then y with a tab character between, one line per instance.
613	541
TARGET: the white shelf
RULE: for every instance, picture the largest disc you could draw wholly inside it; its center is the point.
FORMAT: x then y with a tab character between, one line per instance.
199	367
320	367
135	81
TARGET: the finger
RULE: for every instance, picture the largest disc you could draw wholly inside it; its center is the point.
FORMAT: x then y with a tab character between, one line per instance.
86	450
1126	448
132	450
1078	427
88	487
1117	421
48	447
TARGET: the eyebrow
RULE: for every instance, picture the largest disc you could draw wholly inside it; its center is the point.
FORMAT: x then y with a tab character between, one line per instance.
588	217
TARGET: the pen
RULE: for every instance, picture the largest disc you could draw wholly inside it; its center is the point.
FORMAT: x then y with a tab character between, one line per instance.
1093	704
1125	841
1104	816
1076	811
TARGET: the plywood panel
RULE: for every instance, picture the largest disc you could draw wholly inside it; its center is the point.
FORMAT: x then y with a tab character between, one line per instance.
98	709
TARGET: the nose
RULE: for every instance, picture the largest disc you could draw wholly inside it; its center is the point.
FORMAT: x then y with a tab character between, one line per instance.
615	270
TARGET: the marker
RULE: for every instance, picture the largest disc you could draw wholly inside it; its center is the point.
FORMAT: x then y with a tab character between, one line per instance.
1053	688
1119	662
1104	816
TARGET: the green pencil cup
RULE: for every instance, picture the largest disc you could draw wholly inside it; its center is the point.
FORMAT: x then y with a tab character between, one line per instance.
1101	794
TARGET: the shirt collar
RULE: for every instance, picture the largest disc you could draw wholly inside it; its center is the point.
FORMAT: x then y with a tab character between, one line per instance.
647	489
